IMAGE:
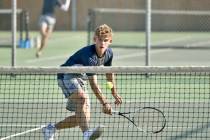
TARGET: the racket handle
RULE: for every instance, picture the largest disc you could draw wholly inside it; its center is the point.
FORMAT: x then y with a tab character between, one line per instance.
115	112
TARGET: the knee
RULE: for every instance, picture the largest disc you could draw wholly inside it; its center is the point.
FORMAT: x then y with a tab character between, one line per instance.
82	98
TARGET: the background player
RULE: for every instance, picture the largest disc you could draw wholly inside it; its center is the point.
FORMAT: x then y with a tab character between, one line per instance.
73	85
47	20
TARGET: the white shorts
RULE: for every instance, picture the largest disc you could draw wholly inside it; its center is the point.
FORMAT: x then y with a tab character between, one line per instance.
48	20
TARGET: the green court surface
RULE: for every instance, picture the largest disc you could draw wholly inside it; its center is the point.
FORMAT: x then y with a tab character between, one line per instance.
129	49
184	98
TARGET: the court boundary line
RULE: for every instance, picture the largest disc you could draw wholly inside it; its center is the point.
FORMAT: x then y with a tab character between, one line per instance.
22	133
117	58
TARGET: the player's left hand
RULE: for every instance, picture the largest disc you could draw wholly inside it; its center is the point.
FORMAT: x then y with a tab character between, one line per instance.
118	99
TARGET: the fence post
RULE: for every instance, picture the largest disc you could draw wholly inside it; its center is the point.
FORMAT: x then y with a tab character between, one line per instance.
148	31
14	32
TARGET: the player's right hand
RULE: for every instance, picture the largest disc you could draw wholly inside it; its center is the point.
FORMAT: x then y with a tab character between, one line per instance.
107	109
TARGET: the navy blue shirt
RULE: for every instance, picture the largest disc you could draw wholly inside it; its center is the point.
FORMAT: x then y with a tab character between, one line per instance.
49	7
87	56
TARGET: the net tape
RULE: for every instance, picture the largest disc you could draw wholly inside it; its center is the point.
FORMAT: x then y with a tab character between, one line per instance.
99	69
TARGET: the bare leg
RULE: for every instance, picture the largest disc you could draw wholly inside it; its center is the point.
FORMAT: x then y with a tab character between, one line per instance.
45	32
82	114
68	122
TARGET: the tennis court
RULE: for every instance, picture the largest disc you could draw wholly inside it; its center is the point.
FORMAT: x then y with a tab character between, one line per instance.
183	98
177	82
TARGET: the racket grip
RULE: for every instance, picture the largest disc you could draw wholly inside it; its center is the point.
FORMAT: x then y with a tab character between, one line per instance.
115	112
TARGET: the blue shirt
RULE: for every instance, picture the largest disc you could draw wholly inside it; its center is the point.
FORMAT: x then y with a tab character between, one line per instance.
87	56
49	7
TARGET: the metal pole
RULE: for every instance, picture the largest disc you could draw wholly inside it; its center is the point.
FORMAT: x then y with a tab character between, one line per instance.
148	31
89	27
74	15
14	31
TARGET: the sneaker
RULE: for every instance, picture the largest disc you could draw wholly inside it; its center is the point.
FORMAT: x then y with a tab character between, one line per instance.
94	133
49	132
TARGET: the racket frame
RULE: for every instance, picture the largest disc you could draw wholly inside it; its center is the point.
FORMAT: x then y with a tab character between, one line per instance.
124	114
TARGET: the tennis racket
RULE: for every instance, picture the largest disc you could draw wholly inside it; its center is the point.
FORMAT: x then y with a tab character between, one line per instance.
145	119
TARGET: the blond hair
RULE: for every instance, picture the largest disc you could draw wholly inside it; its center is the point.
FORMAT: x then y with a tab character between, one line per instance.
103	31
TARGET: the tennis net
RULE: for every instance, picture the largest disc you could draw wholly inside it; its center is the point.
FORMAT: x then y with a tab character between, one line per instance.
30	99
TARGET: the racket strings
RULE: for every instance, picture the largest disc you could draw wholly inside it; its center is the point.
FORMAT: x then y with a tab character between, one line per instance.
149	120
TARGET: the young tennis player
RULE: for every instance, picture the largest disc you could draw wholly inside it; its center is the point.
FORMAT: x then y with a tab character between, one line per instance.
47	20
73	86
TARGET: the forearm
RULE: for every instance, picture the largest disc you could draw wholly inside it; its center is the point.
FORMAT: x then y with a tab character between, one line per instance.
111	78
99	95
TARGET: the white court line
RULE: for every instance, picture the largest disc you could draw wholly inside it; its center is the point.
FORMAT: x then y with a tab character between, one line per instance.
165	42
47	58
199	43
120	57
22	133
19	125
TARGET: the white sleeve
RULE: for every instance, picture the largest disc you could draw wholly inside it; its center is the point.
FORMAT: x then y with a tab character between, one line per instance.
65	6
